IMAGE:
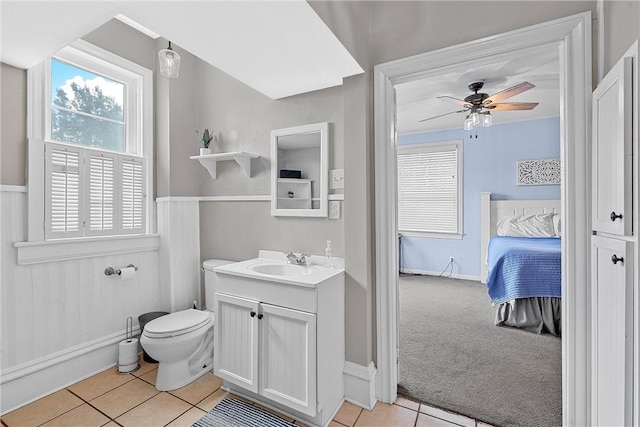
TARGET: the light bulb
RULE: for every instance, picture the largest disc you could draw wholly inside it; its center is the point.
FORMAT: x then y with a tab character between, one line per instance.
468	124
487	120
475	118
169	62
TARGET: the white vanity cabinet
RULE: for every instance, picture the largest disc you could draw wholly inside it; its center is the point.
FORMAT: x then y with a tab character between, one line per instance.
282	344
269	350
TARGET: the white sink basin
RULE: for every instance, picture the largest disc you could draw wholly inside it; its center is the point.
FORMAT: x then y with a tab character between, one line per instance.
282	269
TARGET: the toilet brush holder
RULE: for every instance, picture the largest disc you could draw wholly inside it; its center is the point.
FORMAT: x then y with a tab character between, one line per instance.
128	351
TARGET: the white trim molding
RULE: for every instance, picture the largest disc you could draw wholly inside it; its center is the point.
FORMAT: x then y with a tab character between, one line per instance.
570	37
360	384
31	381
14	188
87	247
438	273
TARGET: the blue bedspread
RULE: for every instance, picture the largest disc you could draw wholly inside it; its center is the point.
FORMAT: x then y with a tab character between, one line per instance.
523	267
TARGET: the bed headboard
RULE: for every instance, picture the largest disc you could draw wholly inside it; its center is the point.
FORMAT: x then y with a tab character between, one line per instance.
492	211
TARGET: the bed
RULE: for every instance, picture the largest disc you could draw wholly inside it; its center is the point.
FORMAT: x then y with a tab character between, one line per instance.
523	274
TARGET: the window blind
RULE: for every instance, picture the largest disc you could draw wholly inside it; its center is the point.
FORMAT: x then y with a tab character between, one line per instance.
93	192
64	192
132	195
428	186
101	177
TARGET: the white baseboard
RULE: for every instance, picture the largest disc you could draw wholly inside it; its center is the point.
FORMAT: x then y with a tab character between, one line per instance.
437	273
25	383
360	384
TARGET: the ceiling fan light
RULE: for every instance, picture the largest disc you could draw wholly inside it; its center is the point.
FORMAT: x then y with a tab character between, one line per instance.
169	61
487	120
475	118
468	123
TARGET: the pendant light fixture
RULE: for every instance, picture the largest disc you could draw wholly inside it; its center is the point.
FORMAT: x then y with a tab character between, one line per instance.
169	62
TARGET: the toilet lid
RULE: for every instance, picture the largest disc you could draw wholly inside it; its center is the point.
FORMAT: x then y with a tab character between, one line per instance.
178	323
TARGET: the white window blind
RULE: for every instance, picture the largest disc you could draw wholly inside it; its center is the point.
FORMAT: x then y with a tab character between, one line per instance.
429	188
101	177
132	195
63	192
112	185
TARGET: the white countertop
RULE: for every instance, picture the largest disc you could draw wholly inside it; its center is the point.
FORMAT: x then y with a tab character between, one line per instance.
318	273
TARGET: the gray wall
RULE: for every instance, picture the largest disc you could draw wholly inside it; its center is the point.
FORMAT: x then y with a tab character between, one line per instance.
13	124
243	120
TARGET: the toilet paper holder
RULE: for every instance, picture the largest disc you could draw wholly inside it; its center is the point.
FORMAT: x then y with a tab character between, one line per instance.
110	270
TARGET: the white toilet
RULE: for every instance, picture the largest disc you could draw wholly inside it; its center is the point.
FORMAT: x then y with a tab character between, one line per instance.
182	342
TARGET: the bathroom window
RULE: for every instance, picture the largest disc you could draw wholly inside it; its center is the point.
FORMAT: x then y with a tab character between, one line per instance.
430	189
90	147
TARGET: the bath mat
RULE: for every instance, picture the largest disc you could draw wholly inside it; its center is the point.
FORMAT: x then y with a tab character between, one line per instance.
234	413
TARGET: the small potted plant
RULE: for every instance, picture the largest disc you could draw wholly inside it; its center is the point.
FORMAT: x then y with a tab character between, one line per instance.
205	139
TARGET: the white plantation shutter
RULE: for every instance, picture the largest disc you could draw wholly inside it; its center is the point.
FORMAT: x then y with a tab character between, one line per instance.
93	192
429	184
64	192
132	195
101	175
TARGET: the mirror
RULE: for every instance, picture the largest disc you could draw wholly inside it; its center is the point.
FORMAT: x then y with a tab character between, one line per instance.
299	170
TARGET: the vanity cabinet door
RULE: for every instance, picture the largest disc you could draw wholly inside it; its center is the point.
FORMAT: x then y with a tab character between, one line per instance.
612	153
612	331
236	347
288	357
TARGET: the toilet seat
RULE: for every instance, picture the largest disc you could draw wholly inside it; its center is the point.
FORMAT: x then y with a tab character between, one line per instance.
178	323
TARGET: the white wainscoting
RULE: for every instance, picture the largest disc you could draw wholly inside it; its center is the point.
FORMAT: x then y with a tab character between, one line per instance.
61	321
179	229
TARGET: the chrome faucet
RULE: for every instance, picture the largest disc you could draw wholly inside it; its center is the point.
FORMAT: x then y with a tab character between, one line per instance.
295	260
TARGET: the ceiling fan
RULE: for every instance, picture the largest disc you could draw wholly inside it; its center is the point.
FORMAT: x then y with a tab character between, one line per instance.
479	105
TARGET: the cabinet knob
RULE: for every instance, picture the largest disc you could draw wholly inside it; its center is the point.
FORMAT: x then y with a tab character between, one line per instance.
252	314
260	316
615	259
613	216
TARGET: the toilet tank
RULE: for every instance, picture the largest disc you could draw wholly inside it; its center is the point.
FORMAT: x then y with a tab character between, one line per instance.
210	278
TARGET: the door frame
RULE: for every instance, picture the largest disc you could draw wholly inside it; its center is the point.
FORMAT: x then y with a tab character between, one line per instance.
572	38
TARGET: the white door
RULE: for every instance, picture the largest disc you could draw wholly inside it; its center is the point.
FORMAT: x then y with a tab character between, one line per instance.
612	328
288	357
236	341
612	137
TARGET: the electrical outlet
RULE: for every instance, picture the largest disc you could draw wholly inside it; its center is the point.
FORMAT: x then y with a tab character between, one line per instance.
334	209
337	179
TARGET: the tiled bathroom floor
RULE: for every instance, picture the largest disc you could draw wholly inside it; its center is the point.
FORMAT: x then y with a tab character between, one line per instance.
109	399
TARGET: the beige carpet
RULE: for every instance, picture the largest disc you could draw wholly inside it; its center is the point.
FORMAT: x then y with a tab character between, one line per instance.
452	356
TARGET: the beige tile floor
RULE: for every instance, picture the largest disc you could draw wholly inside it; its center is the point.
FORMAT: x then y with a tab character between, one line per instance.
110	399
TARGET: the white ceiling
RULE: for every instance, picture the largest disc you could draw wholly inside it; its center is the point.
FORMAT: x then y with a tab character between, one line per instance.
417	99
279	48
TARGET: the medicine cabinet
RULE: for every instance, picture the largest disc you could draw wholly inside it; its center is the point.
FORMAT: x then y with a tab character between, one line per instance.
299	170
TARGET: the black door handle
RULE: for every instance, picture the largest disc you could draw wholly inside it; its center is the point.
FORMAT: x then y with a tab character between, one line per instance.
613	216
252	314
260	316
615	259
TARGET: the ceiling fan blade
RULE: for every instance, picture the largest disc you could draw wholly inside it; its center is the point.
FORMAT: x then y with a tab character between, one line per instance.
454	100
507	106
441	115
508	93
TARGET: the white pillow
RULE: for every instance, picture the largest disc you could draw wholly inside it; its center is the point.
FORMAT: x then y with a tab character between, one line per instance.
556	224
533	225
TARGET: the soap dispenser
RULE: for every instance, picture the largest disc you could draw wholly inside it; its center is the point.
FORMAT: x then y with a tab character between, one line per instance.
328	256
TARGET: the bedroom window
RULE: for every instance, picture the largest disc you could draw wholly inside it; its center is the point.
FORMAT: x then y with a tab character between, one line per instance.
430	189
90	144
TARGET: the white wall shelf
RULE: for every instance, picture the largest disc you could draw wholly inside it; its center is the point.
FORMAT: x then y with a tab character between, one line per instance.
210	161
